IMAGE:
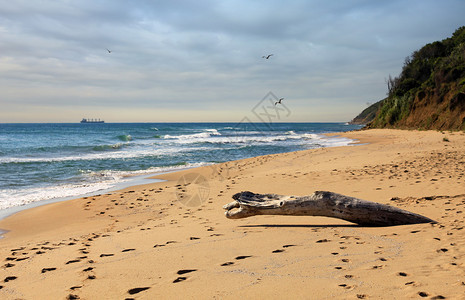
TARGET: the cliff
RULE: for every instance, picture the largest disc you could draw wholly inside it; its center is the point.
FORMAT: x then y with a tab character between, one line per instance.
367	115
430	91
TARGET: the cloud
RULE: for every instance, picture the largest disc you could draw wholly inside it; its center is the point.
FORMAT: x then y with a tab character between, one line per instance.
191	55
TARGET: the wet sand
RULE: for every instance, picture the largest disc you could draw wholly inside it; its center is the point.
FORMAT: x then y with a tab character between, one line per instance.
171	239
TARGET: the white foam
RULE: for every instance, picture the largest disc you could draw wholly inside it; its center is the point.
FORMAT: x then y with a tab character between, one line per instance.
95	181
95	156
241	138
195	136
11	198
326	141
213	131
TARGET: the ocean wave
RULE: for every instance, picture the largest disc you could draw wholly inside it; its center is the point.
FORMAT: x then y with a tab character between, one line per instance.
202	135
91	182
97	155
36	157
241	139
11	198
169	146
105	175
107	147
213	131
125	137
328	141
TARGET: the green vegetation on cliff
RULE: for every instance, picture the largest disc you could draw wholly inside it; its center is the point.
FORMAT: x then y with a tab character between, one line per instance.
367	115
430	91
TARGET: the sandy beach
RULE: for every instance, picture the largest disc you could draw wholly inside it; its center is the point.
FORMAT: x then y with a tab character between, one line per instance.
171	240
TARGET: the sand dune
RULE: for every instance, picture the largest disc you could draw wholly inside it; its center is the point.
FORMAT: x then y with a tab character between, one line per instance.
171	239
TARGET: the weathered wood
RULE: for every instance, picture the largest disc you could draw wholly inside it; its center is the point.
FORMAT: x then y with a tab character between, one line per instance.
321	203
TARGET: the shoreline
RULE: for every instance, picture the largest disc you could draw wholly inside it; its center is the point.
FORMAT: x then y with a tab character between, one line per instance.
134	180
171	239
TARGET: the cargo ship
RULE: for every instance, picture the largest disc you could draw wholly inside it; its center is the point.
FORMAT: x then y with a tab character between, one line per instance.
84	120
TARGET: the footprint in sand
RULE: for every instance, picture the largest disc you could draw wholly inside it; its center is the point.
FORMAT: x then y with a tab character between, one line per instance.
72	261
347	287
185	271
17	249
162	245
137	290
422	294
277	251
243	257
22	258
105	255
127	250
48	269
322	241
10	278
438	297
227	263
179	279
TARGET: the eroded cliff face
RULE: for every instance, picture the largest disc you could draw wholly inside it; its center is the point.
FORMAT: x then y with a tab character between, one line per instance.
436	109
430	91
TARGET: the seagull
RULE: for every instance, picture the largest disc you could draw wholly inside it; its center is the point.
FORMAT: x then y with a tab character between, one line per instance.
267	56
279	101
109	51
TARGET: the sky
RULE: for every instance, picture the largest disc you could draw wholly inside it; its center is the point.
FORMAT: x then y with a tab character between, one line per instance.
202	61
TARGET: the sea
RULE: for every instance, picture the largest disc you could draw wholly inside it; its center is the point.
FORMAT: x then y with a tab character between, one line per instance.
40	162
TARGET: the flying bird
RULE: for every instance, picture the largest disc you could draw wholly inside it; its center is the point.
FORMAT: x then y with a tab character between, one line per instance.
267	56
279	101
109	51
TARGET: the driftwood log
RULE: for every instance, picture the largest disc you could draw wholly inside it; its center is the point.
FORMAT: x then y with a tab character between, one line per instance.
321	203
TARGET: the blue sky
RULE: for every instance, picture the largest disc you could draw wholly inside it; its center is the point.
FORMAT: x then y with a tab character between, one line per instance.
175	61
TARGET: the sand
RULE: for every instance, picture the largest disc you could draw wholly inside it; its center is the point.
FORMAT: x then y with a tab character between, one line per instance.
171	240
